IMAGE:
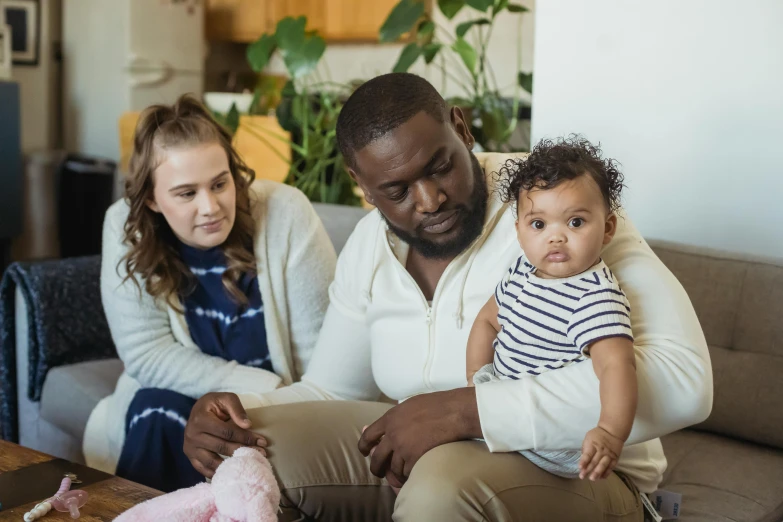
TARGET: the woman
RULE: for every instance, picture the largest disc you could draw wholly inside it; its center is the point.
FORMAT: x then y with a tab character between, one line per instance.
208	284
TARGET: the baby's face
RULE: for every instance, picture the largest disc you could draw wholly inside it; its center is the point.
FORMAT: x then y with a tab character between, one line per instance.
563	229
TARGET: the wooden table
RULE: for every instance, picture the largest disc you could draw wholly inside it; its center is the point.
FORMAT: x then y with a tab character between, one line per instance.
108	498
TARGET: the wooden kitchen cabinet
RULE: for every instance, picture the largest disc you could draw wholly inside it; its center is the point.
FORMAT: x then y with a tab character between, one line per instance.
238	20
335	20
355	20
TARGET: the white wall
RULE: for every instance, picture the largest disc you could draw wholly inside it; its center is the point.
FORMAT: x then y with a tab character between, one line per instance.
688	95
39	97
346	62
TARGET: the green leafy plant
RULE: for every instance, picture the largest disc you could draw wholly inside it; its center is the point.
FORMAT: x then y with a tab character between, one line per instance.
464	60
229	120
308	110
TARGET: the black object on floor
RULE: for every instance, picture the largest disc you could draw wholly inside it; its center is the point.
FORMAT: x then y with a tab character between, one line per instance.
86	191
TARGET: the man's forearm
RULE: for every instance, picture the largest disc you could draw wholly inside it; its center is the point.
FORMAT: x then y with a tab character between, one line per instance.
467	413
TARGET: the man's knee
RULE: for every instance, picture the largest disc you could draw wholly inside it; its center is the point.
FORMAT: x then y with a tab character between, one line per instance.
313	450
463	481
440	488
315	443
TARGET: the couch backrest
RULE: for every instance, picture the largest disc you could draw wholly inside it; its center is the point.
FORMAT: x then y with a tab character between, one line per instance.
740	306
339	221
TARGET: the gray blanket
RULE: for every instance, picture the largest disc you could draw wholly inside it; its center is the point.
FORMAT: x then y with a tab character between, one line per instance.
66	325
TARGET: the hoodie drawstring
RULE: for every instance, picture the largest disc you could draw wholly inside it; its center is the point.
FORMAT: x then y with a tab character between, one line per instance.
479	243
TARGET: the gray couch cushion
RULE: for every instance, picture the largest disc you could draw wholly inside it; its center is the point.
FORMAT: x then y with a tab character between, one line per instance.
740	307
71	392
721	479
759	326
715	304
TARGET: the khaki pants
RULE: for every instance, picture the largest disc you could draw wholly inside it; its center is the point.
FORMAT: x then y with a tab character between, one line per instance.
313	449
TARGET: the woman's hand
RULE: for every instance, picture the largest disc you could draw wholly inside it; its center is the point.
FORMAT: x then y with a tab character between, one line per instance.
217	426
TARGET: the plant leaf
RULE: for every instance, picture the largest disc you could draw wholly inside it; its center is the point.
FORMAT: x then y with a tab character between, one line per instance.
289	89
449	8
284	110
500	5
494	124
290	33
516	8
467	53
256	102
409	54
526	81
401	19
301	51
463	27
431	51
232	119
425	32
260	51
481	5
304	60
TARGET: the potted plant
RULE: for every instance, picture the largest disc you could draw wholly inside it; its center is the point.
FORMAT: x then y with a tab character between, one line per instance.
308	110
493	116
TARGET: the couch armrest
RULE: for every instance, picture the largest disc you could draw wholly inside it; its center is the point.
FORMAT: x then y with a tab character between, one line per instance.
65	325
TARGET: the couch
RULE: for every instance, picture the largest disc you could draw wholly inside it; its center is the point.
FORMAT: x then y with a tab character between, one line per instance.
729	468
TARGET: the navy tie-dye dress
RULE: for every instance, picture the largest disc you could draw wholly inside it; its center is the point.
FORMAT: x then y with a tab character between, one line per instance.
155	424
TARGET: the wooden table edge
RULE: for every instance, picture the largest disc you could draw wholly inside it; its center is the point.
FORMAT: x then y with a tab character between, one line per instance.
98	507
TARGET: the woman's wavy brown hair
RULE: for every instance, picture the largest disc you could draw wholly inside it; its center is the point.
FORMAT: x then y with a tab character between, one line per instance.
153	256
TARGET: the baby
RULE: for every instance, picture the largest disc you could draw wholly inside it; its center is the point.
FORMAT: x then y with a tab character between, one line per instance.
559	303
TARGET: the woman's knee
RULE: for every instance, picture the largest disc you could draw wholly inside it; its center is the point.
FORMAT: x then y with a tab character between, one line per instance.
156	397
149	402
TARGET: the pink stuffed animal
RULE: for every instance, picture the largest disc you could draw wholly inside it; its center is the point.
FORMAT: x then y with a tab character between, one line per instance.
243	490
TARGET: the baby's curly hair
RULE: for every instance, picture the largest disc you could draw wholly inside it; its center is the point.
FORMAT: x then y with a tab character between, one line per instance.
553	161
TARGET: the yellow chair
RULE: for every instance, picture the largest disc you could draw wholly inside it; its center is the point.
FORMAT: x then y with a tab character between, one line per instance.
127	127
265	146
259	140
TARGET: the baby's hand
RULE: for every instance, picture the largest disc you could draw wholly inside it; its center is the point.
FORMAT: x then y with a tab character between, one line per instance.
600	451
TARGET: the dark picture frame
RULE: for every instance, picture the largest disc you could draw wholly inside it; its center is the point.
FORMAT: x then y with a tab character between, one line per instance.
24	18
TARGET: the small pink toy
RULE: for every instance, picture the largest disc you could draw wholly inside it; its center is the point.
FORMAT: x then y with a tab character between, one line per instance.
243	489
63	500
70	502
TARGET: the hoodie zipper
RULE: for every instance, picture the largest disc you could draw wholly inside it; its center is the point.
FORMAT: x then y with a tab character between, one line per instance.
429	309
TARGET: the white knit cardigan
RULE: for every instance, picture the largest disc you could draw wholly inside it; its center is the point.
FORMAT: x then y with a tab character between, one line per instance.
296	262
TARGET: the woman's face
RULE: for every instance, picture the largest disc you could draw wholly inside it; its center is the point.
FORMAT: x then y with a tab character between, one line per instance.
195	192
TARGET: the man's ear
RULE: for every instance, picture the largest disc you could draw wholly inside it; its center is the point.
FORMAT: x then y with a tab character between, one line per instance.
153	206
610	227
358	181
461	126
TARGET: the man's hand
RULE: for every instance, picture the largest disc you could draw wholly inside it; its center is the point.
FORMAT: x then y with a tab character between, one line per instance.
600	452
404	433
218	425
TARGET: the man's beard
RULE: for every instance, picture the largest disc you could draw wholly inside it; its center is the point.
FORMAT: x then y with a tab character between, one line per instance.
472	222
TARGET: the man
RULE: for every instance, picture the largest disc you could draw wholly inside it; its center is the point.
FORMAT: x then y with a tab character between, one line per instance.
409	283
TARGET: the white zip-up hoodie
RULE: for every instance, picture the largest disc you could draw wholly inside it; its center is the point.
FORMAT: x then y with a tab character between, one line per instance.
381	334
